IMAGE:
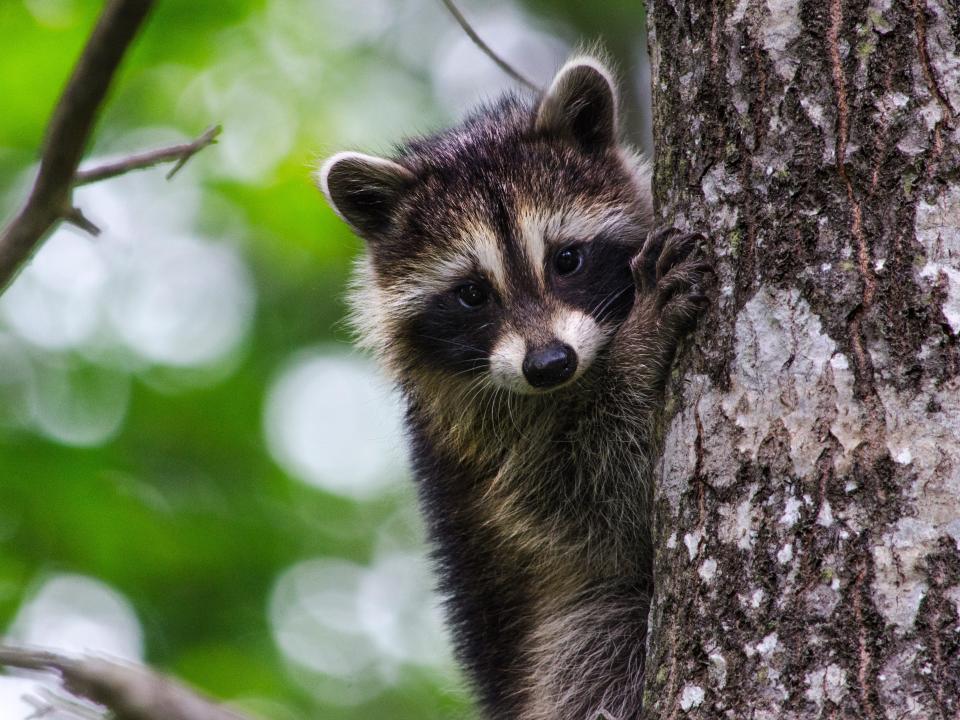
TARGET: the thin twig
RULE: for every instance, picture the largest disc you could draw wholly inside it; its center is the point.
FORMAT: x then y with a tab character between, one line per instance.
75	216
69	131
130	692
181	153
486	49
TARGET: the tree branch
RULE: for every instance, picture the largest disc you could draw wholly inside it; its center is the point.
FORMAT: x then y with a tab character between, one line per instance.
486	49
130	692
181	153
75	216
69	131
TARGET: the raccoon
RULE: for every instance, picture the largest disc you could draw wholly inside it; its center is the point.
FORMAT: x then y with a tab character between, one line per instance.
513	289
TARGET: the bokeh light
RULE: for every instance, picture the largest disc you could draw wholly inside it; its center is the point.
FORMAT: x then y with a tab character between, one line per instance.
14	694
148	292
55	303
350	629
77	615
332	422
460	80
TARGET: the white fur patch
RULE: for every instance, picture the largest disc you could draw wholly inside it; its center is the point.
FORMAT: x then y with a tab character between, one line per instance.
577	329
581	332
531	225
561	81
437	276
540	230
477	250
506	363
389	167
486	250
588	61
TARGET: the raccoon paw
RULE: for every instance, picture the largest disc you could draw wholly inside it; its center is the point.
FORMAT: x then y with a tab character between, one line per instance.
669	273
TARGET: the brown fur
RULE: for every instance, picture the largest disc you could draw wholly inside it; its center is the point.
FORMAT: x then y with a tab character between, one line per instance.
537	502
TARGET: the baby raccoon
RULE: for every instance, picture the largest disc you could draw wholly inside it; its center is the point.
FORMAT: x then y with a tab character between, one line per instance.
511	290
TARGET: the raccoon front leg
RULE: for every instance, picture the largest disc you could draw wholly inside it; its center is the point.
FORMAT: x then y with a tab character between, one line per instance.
589	659
669	275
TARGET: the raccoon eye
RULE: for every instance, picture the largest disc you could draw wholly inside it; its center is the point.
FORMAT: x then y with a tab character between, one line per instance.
471	295
568	260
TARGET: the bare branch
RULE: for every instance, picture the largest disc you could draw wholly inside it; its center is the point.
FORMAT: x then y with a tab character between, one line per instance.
67	136
486	49
130	692
181	153
75	216
69	131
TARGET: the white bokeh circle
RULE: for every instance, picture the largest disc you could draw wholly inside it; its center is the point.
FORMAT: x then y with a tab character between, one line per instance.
332	422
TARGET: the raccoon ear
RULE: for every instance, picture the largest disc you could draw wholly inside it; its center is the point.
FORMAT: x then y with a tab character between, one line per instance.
581	103
363	190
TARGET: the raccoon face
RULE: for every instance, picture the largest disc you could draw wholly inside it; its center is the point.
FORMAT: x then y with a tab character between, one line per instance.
501	248
531	306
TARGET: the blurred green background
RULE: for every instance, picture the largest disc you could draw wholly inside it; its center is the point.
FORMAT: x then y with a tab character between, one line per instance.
196	471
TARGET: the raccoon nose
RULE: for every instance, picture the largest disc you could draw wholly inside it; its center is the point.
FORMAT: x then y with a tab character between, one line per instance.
549	366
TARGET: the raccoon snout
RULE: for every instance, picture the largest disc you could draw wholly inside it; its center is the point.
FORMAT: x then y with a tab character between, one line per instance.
550	366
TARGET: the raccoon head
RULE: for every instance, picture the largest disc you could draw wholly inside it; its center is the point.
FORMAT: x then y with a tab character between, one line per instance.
499	248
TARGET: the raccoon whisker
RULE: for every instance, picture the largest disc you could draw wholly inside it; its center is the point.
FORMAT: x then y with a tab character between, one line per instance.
513	420
609	300
494	402
507	409
476	405
473	367
453	342
470	365
469	395
478	388
502	403
465	392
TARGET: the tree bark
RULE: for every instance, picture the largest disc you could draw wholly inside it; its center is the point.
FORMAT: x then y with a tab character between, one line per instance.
808	504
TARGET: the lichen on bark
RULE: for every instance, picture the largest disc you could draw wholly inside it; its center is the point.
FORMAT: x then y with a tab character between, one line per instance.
808	500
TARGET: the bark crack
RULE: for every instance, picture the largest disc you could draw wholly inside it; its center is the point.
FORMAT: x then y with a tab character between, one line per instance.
714	31
698	469
842	132
933	83
865	657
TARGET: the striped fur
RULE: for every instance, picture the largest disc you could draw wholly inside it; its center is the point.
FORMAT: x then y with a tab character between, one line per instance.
536	499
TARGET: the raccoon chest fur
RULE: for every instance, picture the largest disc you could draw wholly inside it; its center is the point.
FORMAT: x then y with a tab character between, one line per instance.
542	544
513	290
566	486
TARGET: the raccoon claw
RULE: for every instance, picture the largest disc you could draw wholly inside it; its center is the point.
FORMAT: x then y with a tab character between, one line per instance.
663	250
681	280
670	273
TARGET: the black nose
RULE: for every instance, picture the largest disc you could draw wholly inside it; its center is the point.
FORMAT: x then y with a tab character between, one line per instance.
549	366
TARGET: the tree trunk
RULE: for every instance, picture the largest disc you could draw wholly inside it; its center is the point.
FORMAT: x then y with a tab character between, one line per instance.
808	505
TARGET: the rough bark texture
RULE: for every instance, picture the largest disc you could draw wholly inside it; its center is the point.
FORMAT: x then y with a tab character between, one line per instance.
808	507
